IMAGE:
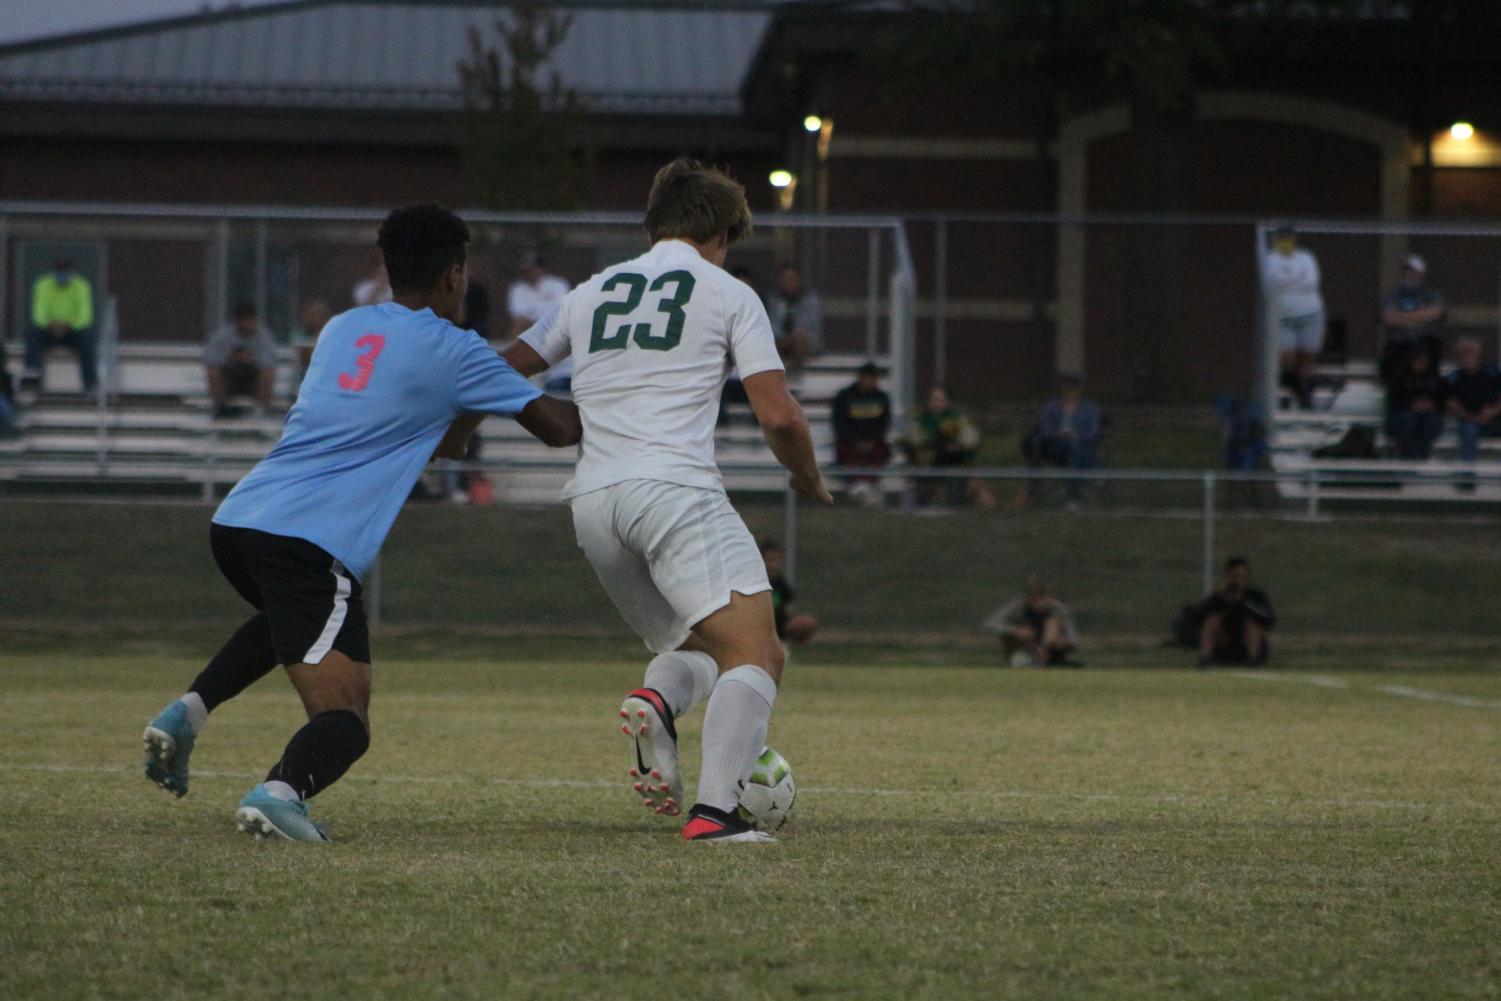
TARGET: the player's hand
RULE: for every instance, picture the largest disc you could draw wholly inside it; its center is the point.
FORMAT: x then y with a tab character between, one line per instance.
813	489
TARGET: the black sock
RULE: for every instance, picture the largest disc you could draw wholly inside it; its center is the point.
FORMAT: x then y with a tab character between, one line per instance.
320	752
245	659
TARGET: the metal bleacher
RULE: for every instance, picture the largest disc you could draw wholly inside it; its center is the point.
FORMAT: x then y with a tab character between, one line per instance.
155	433
1350	395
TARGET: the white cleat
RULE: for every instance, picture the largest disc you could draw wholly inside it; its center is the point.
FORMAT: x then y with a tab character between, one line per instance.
655	775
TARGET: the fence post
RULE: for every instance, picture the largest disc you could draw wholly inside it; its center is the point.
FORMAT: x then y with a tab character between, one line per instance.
789	534
1208	533
210	470
873	294
940	302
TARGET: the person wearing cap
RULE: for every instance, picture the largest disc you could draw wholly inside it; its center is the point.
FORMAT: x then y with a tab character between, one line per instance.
1413	314
533	294
861	415
62	315
1290	276
1068	434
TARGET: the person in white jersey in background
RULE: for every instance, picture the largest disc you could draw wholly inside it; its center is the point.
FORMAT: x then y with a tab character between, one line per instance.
652	341
1290	275
534	295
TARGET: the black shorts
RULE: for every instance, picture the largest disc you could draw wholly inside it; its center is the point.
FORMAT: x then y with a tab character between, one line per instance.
313	604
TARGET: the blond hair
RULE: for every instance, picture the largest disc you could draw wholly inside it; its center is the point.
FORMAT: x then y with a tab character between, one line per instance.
693	201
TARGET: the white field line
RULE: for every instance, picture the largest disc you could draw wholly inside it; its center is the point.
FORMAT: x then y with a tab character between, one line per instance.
1401	691
1184	798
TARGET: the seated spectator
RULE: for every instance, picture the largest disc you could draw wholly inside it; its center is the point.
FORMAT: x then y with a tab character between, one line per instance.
62	315
796	318
315	315
1234	620
1067	435
241	361
862	418
1243	433
1474	398
941	436
1413	315
1415	401
790	628
1035	630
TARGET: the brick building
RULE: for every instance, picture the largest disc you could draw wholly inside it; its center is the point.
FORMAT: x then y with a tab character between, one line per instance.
262	106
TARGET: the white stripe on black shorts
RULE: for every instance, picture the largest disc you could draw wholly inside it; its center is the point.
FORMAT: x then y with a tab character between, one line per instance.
312	603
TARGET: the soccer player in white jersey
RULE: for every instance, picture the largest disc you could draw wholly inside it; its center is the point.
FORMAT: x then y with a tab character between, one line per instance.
652	341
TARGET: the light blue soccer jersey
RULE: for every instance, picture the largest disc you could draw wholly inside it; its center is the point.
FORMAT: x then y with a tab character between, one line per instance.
383	386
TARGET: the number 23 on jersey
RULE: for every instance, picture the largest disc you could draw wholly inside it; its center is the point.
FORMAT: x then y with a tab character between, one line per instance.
643	333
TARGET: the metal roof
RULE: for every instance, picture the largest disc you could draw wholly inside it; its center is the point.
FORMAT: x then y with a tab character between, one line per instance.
645	58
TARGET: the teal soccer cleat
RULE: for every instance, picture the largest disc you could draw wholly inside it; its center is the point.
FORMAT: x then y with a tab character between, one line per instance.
169	742
267	816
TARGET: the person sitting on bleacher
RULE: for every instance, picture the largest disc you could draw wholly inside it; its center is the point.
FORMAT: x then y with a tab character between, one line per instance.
861	415
796	318
241	361
1067	435
1415	399
1474	391
941	435
62	315
1413	314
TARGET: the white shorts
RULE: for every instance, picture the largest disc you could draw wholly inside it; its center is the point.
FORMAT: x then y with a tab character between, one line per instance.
667	555
1301	333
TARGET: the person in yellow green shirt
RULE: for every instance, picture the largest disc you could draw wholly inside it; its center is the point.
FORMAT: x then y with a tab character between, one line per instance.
62	315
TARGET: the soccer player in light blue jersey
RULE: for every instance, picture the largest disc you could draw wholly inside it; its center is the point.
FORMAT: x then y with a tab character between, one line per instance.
297	535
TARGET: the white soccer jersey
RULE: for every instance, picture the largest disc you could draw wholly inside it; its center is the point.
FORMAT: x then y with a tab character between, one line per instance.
652	341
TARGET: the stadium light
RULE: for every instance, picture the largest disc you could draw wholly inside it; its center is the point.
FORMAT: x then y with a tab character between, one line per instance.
1461	131
812	124
781	179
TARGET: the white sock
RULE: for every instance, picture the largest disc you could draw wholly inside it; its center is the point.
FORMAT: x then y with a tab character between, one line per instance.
734	733
683	677
197	711
281	790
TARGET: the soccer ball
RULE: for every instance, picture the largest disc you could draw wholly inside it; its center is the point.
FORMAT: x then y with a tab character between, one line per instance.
766	800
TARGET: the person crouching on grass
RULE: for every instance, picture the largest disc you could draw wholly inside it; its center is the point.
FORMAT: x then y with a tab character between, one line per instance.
297	535
1035	630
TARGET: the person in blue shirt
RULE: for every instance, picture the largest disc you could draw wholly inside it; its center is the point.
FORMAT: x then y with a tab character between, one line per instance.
1068	434
299	533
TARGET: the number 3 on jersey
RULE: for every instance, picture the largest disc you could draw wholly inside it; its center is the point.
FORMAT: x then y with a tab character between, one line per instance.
635	287
364	364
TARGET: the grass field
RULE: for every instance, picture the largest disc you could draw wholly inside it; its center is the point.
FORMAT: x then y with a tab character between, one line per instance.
960	832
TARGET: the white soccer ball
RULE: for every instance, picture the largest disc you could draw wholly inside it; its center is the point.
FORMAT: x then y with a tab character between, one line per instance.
766	801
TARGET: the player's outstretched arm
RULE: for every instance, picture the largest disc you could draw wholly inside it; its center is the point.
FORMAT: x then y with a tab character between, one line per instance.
455	443
785	428
524	358
552	421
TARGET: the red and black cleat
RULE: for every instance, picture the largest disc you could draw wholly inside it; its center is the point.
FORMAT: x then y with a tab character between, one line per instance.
705	823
